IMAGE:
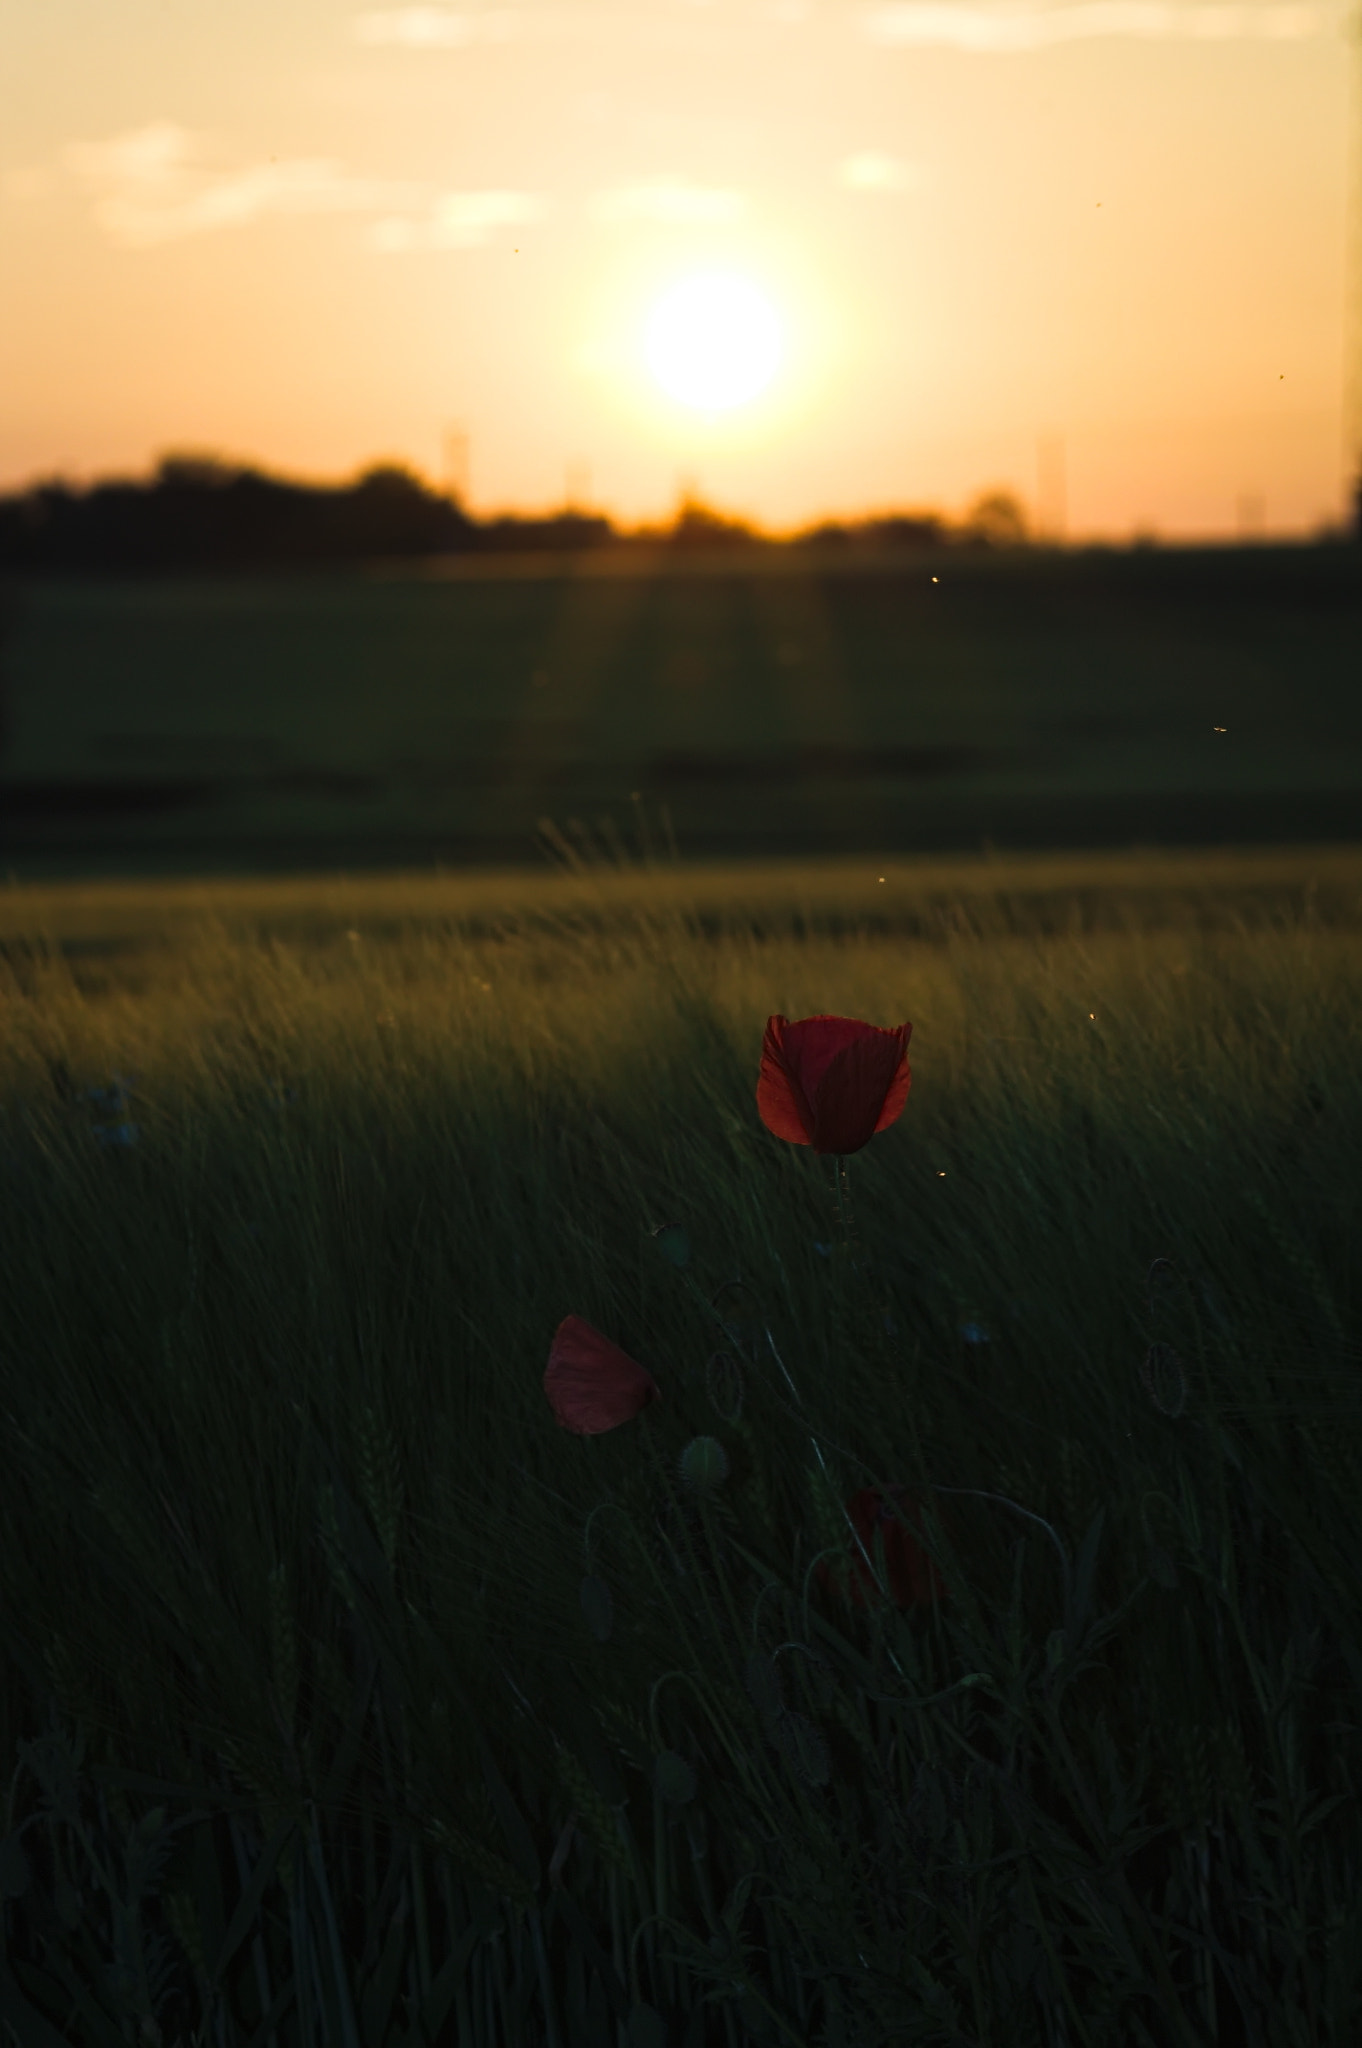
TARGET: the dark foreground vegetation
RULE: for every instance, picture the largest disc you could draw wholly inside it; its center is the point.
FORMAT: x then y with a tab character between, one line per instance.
346	1698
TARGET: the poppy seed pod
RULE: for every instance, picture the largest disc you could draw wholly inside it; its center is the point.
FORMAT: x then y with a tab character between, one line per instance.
592	1385
832	1082
704	1464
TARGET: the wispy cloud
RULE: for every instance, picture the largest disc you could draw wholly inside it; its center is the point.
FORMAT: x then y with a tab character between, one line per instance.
1024	27
662	24
152	185
954	24
149	186
437	28
457	220
872	171
669	202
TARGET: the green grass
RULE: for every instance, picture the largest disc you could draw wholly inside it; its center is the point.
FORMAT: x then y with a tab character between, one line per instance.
345	1695
775	703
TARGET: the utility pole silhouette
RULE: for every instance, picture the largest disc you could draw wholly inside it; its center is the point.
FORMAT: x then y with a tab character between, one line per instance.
578	480
1052	508
1252	515
457	464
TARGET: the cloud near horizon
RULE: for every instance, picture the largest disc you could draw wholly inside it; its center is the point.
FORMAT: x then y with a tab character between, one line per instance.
921	23
148	188
457	220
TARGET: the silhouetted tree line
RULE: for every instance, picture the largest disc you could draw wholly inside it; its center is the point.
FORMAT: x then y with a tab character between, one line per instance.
697	525
198	513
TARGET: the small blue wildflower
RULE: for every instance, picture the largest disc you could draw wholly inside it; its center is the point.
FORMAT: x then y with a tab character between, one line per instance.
113	1100
116	1136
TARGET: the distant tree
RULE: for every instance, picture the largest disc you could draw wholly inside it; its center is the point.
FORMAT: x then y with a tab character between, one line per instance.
698	525
198	472
202	512
391	480
389	511
906	530
561	533
881	530
997	519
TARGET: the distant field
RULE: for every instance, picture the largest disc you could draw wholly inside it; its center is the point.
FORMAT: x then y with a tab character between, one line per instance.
766	703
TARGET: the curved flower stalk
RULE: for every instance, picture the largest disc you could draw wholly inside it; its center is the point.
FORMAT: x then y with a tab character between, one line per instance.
865	1564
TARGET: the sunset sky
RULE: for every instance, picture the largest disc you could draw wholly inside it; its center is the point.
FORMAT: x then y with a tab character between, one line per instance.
1092	251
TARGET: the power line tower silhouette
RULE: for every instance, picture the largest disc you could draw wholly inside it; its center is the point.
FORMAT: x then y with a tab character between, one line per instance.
458	463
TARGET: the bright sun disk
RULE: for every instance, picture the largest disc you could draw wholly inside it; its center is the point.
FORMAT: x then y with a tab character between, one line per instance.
714	342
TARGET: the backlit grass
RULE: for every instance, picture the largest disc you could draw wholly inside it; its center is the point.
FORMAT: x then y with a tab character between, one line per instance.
298	1180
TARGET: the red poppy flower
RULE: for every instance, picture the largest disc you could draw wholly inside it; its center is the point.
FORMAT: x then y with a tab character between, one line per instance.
592	1385
911	1574
832	1082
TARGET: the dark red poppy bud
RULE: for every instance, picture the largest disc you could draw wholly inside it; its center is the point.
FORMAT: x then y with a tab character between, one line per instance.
592	1385
911	1574
832	1082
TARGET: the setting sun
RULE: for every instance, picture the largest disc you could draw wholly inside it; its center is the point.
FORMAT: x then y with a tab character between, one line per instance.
829	258
714	342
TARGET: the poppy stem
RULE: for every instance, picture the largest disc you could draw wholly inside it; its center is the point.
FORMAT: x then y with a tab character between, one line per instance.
817	1447
841	1189
823	1463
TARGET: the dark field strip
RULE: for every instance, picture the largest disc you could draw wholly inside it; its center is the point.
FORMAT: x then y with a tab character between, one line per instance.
773	703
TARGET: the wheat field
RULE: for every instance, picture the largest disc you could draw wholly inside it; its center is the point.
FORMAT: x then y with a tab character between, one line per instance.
348	1698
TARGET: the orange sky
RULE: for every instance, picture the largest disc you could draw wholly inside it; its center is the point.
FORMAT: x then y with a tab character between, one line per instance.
313	234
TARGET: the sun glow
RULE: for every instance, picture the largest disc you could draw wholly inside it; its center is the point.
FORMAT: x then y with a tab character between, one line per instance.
714	341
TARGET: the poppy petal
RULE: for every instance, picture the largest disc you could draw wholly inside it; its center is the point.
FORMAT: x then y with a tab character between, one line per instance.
592	1385
852	1092
832	1082
781	1102
912	1576
813	1043
897	1095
